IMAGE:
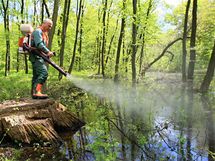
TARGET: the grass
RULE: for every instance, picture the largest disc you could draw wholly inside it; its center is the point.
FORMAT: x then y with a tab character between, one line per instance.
14	86
18	85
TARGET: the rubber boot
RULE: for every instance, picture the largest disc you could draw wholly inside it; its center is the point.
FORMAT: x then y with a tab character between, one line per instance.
38	94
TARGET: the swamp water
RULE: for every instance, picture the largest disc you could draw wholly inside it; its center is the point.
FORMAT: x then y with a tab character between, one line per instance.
157	120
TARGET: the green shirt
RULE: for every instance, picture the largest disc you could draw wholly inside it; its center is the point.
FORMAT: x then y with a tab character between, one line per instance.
38	42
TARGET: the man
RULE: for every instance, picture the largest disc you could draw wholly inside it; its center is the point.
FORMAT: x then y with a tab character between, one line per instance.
39	40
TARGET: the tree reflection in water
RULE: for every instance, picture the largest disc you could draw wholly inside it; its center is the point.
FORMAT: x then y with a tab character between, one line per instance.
154	123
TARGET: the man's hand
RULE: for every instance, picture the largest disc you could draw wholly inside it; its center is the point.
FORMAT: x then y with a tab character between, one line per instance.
50	54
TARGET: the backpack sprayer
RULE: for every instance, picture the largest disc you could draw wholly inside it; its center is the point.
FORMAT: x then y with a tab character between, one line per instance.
25	47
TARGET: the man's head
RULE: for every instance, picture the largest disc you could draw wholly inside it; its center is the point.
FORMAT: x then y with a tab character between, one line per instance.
47	25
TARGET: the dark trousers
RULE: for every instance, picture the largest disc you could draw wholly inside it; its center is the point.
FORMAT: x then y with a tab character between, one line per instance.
40	73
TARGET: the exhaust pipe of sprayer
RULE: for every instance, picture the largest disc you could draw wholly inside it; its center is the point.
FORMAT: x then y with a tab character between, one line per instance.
53	64
46	58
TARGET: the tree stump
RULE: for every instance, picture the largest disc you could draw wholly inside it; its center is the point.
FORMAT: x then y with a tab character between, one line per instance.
29	121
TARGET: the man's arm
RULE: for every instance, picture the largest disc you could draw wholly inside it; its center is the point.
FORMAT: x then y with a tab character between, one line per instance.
38	40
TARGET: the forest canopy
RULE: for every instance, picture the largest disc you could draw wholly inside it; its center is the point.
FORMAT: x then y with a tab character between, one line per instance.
113	38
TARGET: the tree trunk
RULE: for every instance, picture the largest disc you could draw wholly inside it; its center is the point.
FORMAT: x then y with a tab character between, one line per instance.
46	7
111	43
126	58
143	35
23	21
121	35
98	45
134	45
35	14
54	19
103	38
108	17
7	37
193	43
17	61
76	38
42	12
80	38
22	12
98	42
123	52
210	72
59	33
63	34
184	48
112	37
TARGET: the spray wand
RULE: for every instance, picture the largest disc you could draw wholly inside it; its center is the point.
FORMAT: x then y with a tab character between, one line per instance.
45	58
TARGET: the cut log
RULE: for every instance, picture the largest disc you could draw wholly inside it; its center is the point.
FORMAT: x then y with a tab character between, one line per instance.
31	121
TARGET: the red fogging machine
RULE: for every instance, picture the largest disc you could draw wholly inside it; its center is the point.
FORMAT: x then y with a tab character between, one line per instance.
25	47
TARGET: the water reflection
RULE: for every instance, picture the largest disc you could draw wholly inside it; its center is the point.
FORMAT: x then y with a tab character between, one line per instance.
166	122
189	130
210	127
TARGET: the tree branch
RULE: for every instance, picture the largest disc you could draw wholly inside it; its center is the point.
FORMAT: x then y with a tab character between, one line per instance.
46	7
172	55
159	56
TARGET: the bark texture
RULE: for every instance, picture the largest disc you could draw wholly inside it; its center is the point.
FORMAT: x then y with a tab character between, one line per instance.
31	121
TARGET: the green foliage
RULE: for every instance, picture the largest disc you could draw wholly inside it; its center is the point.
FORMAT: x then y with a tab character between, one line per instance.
155	38
176	18
205	29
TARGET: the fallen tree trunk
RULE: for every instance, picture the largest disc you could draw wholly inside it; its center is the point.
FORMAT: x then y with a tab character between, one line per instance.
29	121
